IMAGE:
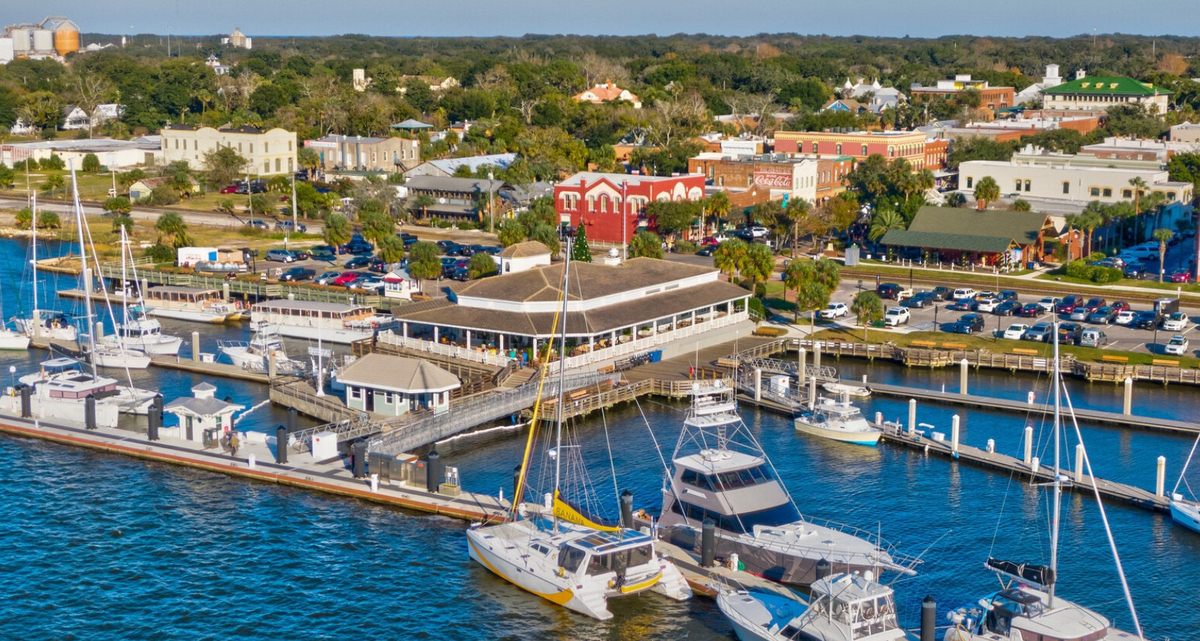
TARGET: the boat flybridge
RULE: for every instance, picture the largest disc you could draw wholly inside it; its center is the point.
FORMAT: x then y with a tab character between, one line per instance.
720	472
843	607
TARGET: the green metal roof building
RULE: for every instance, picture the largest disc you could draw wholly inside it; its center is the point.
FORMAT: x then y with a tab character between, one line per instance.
1100	93
983	235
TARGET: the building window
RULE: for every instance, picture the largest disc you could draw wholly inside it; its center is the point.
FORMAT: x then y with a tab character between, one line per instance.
1170	195
814	147
1108	192
1095	191
1126	193
355	393
251	147
1066	187
1026	185
266	166
266	148
864	147
195	145
1018	181
278	165
969	181
839	148
289	145
291	169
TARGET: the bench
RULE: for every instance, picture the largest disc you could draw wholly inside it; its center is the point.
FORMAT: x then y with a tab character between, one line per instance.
1109	358
1165	362
923	344
954	345
607	369
729	363
1025	352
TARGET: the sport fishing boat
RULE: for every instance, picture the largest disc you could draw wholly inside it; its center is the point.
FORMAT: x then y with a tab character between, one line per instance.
252	355
838	421
720	472
1185	511
1027	605
565	554
843	607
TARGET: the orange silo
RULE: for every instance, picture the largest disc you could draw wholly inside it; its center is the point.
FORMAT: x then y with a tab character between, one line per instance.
66	34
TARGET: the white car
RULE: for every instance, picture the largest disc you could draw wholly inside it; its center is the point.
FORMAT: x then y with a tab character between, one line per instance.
1176	322
963	292
759	232
1048	304
835	310
1178	345
896	316
1016	331
1125	317
987	304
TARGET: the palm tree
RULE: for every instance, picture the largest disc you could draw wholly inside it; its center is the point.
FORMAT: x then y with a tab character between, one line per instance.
337	230
885	220
797	210
728	256
757	263
1088	222
986	191
171	224
1021	204
1163	236
868	307
645	244
718	206
1138	185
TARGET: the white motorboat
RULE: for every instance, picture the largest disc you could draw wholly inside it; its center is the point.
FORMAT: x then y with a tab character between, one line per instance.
1185	511
847	389
62	381
10	340
844	607
838	421
252	355
720	472
190	304
562	554
315	320
119	357
144	335
1027	605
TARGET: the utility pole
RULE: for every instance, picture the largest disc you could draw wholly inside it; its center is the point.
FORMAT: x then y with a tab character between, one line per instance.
491	207
250	198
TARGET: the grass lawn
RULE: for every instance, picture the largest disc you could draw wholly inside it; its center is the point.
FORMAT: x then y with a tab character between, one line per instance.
984	341
1125	282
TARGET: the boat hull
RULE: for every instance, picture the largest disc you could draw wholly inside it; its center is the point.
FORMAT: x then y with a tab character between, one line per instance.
162	346
870	438
119	360
774	565
13	341
195	316
1186	514
346	336
555	592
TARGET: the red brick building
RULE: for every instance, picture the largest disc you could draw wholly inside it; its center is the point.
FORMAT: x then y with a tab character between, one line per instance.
597	201
935	154
909	145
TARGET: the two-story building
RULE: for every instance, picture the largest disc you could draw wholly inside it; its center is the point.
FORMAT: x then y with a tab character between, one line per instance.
391	155
460	199
993	98
600	202
269	153
909	145
608	92
1100	93
815	179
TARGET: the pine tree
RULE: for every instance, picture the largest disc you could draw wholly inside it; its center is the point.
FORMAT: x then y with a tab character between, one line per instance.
580	251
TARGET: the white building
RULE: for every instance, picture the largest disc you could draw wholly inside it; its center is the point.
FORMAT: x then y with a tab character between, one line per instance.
399	284
1185	132
1033	93
113	154
393	385
445	167
270	153
203	411
877	96
522	256
1100	93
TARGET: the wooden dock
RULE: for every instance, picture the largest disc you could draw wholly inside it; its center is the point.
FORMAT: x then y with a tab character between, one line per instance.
200	367
1035	409
708	581
1079	482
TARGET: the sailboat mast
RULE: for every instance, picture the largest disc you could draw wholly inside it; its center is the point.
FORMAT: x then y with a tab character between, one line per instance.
1057	482
562	368
36	319
124	279
83	272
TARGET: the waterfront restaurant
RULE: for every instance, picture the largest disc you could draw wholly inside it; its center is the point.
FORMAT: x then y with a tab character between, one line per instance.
612	310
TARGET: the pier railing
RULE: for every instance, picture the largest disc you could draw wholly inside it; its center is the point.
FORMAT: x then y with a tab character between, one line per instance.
257	287
450	351
650	342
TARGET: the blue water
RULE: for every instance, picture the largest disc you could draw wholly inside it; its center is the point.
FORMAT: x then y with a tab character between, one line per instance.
96	546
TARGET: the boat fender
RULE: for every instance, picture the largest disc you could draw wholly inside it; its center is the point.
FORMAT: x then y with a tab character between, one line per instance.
562	572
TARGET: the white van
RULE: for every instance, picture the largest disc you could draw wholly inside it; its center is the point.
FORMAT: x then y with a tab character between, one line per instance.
963	292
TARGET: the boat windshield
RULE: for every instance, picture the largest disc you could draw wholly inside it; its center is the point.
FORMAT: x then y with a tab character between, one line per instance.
722	481
741	523
620	560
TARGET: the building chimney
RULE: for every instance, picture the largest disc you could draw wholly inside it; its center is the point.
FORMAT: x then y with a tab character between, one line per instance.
1080	75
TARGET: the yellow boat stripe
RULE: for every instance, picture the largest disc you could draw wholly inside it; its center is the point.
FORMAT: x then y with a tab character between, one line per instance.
626	589
562	598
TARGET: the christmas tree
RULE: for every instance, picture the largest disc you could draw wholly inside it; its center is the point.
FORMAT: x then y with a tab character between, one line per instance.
580	250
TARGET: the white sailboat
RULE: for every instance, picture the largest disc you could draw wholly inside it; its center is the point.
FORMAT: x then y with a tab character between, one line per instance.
53	326
563	555
1185	511
137	331
1027	605
843	607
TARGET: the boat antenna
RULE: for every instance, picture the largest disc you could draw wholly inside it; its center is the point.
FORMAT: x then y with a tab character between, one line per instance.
562	379
1057	478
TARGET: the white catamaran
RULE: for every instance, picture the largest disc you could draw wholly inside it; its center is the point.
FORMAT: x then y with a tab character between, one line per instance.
1027	605
562	554
137	331
41	324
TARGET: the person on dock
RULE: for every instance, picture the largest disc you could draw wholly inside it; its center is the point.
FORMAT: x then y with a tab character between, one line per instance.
233	443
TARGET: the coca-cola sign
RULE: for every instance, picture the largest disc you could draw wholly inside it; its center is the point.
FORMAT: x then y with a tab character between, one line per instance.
773	179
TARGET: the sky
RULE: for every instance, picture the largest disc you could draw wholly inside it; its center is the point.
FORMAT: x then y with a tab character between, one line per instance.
916	18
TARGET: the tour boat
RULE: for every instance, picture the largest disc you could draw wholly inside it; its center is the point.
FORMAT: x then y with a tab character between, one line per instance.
563	554
843	607
1027	605
42	324
1184	511
720	472
838	421
316	320
190	304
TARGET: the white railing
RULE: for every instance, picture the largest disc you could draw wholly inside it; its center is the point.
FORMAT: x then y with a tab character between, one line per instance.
654	340
453	351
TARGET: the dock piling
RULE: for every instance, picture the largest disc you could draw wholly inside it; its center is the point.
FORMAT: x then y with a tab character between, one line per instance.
292	418
1079	462
812	392
991	446
912	416
1034	466
1128	407
1028	444
1160	477
195	347
89	412
928	619
1032	397
879	418
273	368
800	373
954	422
154	417
816	358
962	376
225	292
627	509
281	442
433	473
708	542
359	459
98	330
26	401
757	385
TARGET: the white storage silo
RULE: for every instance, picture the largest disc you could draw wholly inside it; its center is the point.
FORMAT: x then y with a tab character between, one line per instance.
22	40
43	41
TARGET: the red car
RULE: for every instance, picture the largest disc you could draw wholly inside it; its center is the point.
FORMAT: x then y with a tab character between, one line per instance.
1119	306
1093	304
708	240
1030	310
346	278
1181	276
232	189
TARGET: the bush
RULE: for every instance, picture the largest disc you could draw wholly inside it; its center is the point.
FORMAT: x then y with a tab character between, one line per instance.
160	253
163	195
1095	273
760	290
53	162
774	332
756	309
468	226
91	163
685	247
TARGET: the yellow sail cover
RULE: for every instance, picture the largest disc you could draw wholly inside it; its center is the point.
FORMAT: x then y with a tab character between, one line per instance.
566	512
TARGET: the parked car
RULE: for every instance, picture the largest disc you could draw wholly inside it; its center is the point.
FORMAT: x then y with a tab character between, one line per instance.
1031	310
379	266
409	239
1068	333
1102	316
896	316
327	278
1147	319
707	250
1125	317
447	247
835	310
1181	276
1009	307
1094	303
1119	305
1176	322
920	301
942	293
358	262
963	293
1048	304
1178	345
974	320
963	305
280	256
1068	304
1039	333
286	225
461	274
258	223
231	189
346	278
986	304
323	253
1093	337
367	282
1015	332
296	274
1080	313
889	290
759	232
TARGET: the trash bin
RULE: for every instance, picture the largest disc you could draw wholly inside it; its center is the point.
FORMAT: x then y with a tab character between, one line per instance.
656	356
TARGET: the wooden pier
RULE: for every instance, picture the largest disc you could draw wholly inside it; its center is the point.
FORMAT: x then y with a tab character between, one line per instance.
709	581
1079	482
